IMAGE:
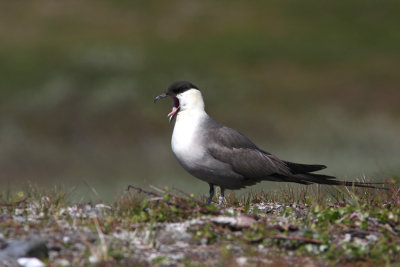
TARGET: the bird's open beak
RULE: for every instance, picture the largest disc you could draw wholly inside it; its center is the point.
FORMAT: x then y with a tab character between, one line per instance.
175	106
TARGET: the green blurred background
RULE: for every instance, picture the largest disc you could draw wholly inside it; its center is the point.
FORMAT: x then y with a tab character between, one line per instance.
310	81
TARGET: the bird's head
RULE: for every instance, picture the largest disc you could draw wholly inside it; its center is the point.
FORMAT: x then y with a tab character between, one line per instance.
185	96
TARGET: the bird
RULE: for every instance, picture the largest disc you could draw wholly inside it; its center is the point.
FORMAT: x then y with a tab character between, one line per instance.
224	157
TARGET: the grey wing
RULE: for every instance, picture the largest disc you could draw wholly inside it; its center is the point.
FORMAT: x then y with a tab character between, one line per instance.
251	164
245	158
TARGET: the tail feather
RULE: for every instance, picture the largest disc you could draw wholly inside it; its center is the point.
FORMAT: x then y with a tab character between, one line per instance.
311	178
302	173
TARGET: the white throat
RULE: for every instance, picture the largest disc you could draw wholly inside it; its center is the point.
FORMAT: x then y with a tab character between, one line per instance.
191	100
187	126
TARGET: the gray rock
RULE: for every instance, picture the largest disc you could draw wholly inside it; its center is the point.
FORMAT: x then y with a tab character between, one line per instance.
31	248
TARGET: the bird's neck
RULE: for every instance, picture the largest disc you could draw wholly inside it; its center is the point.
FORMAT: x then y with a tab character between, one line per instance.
191	109
191	101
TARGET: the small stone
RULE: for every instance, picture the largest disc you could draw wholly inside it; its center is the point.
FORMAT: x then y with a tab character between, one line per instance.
241	261
372	238
26	248
93	259
66	239
30	262
347	238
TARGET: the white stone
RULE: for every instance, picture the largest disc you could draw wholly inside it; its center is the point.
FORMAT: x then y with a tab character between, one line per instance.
347	238
93	259
30	262
241	261
66	239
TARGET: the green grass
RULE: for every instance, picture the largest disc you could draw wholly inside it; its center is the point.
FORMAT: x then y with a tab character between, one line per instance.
343	226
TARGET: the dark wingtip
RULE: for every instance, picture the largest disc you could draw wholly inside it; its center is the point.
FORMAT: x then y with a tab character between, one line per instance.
298	168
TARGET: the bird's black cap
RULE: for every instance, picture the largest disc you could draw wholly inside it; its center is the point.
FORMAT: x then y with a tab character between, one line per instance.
180	87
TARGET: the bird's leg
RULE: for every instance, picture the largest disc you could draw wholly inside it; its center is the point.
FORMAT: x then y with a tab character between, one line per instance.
222	196
211	193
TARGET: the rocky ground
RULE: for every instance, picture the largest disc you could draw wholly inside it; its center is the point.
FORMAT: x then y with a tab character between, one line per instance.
168	229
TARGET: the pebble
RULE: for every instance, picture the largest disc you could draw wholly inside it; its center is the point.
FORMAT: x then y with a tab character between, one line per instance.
93	259
241	261
30	262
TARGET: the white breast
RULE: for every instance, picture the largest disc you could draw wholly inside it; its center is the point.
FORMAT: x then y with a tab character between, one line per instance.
186	143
